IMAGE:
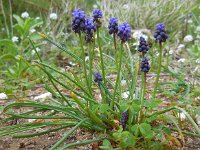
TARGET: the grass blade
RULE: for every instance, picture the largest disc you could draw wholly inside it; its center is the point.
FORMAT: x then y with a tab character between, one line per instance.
66	135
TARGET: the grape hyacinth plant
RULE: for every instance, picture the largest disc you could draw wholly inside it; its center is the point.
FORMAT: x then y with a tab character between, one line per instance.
160	37
90	30
124	34
93	101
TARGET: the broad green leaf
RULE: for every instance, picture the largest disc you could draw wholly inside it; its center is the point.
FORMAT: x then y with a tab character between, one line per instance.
152	103
128	139
135	107
103	108
135	129
106	145
20	21
8	56
146	131
19	29
36	23
9	46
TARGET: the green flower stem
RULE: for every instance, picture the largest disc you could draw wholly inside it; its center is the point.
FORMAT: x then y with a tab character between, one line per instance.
130	118
93	47
167	61
118	75
143	88
84	64
102	93
134	72
115	44
142	84
101	57
152	59
90	65
159	69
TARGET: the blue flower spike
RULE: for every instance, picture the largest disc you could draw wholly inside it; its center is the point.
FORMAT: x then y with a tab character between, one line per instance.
89	30
143	46
145	65
97	78
124	32
160	33
124	119
113	25
78	21
97	16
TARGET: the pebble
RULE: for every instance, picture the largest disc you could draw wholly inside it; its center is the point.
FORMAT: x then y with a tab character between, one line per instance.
43	96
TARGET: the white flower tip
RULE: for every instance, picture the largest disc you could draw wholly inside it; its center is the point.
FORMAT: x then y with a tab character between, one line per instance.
15	39
123	82
25	15
3	96
125	94
53	16
188	38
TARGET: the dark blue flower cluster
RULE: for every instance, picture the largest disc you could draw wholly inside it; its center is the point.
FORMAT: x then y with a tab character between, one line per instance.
97	78
143	46
160	33
124	119
113	25
145	65
124	32
78	22
89	30
97	15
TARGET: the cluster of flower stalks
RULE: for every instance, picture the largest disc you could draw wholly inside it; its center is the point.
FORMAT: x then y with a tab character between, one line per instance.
89	26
